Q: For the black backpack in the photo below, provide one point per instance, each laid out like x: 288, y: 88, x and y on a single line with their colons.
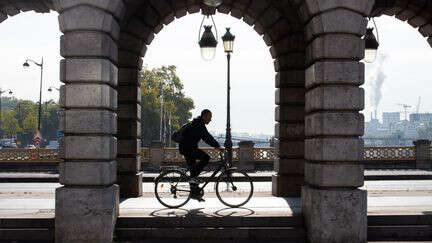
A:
x: 177, y: 136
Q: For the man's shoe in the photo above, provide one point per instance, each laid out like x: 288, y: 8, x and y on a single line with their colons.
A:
x: 198, y: 198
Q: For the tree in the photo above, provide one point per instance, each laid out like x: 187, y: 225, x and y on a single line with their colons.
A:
x: 30, y: 124
x: 20, y: 118
x: 175, y: 102
x: 10, y: 123
x: 50, y: 120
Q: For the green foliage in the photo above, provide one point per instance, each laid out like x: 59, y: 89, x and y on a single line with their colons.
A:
x: 175, y: 102
x: 50, y: 120
x: 30, y: 123
x: 9, y: 123
x: 20, y: 118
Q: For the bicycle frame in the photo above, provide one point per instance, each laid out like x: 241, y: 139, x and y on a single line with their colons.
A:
x: 223, y: 167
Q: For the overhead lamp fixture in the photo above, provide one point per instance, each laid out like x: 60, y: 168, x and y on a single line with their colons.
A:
x: 371, y: 44
x: 207, y: 41
x: 213, y: 3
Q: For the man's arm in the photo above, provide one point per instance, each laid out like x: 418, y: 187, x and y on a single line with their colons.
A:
x: 208, y: 138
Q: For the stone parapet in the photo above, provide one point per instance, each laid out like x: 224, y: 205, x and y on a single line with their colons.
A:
x: 423, y: 154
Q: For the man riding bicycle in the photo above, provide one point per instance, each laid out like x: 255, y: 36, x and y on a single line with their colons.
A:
x: 188, y: 147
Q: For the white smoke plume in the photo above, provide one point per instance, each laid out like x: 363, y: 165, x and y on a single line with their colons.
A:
x: 375, y: 80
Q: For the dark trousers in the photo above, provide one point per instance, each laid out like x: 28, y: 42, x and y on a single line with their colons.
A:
x: 192, y: 156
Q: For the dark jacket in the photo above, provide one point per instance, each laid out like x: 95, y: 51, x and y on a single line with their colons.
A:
x: 193, y: 134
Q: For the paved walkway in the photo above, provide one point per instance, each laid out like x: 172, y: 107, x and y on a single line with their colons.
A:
x: 37, y: 200
x: 258, y: 206
x: 382, y: 174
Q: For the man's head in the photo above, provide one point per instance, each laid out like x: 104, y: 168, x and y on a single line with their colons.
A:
x: 206, y: 115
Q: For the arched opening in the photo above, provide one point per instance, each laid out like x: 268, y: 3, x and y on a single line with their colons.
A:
x: 252, y: 74
x: 394, y: 90
x: 282, y: 31
x: 21, y: 42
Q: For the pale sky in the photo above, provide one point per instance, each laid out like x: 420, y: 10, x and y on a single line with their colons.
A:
x: 31, y: 35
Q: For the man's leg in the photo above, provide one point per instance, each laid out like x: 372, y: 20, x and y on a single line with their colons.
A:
x: 192, y: 167
x: 203, y: 158
x: 191, y: 164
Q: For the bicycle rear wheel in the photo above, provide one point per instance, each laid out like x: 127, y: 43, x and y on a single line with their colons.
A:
x: 234, y: 188
x: 172, y: 188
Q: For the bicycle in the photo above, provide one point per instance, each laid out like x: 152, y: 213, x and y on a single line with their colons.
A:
x: 233, y: 188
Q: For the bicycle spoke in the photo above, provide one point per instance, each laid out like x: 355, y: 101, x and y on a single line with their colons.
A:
x: 234, y: 189
x: 172, y: 189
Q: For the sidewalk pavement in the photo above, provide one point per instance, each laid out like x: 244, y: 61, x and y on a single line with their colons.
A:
x: 387, y: 174
x: 257, y: 207
x: 384, y: 197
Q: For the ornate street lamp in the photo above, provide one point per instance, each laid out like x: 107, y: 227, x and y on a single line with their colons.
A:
x: 27, y: 65
x: 371, y: 44
x: 207, y: 40
x: 228, y: 41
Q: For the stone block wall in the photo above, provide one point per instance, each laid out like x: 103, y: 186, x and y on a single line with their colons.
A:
x: 88, y: 98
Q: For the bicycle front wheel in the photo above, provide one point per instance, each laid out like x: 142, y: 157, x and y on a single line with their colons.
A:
x: 234, y: 188
x: 172, y: 188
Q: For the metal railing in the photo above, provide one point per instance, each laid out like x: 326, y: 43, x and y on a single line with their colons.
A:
x: 29, y: 155
x: 264, y: 154
x: 389, y: 153
x: 173, y: 155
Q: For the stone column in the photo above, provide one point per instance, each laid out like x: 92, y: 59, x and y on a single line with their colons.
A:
x: 423, y: 154
x: 87, y: 203
x: 246, y: 155
x: 129, y: 116
x: 335, y: 210
x: 289, y: 116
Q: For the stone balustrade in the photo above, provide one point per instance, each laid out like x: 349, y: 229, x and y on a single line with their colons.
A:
x: 29, y: 155
x: 245, y: 156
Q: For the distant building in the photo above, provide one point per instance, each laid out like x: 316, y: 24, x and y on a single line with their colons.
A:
x: 390, y: 118
x: 421, y: 117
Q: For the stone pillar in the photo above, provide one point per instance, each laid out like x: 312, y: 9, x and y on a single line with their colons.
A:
x: 156, y: 154
x: 87, y: 204
x: 335, y: 210
x: 246, y: 155
x: 289, y: 116
x: 129, y: 117
x: 423, y: 154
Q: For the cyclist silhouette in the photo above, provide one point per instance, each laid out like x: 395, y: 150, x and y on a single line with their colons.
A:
x: 188, y: 147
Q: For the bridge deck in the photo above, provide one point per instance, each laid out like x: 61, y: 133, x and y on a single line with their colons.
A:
x: 37, y: 200
x: 396, y: 210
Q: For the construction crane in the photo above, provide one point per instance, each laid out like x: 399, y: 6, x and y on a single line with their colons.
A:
x: 405, y: 106
x: 418, y: 105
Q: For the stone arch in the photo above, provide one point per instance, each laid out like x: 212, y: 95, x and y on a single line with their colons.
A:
x: 282, y: 30
x: 418, y: 14
x: 101, y: 54
x: 14, y: 7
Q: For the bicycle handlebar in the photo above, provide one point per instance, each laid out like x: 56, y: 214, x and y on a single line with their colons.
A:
x: 221, y: 154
